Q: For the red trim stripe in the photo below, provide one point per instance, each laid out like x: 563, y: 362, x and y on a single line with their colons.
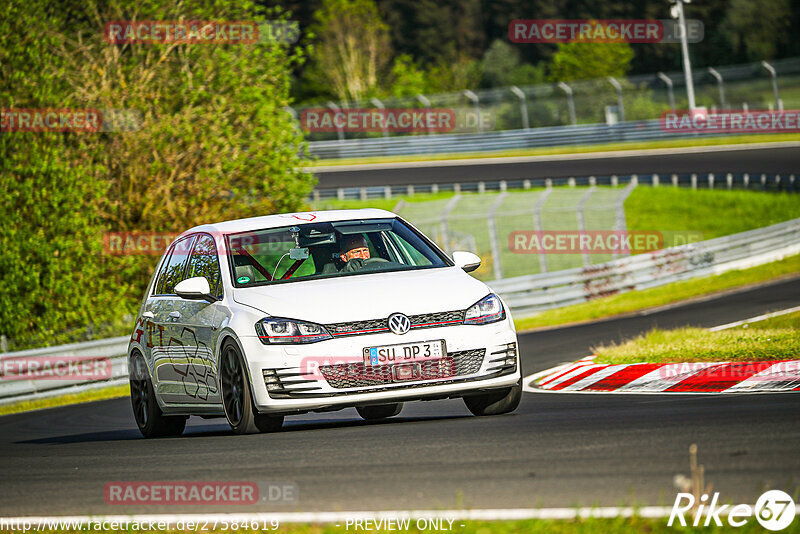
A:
x: 720, y: 377
x: 624, y: 376
x: 561, y: 373
x: 577, y: 377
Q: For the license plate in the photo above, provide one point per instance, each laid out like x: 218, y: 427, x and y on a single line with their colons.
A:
x: 405, y: 353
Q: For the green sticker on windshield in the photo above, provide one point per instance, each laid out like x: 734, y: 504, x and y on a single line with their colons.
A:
x: 243, y: 279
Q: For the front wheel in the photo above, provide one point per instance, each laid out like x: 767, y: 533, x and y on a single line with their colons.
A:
x: 151, y: 421
x: 382, y: 411
x: 495, y: 402
x: 237, y: 399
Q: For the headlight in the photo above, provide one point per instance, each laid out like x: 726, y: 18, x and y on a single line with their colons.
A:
x: 284, y: 331
x: 487, y: 310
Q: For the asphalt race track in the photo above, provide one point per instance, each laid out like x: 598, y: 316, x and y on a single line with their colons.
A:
x: 742, y: 159
x: 555, y: 450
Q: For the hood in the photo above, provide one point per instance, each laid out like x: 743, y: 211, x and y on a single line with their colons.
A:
x: 366, y: 296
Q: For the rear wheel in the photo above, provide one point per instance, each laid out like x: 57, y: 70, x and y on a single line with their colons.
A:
x: 381, y: 411
x: 150, y: 419
x: 495, y: 402
x: 237, y: 399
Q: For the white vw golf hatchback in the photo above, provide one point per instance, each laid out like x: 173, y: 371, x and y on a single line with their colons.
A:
x: 260, y: 318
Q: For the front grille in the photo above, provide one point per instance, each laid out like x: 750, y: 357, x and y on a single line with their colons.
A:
x: 356, y: 375
x: 377, y: 326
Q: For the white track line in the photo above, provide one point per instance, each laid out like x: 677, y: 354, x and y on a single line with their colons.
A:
x: 552, y: 157
x: 754, y: 319
x: 501, y: 514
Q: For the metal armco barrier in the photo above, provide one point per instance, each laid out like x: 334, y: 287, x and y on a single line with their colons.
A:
x: 529, y: 294
x: 501, y: 140
x: 524, y: 294
x: 115, y: 349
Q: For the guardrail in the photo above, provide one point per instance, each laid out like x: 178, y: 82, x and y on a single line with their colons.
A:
x: 534, y: 293
x: 724, y: 180
x: 16, y: 390
x: 524, y: 294
x: 501, y: 140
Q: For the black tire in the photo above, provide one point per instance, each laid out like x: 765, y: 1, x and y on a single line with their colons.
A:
x: 237, y: 399
x: 150, y: 419
x: 381, y: 411
x: 495, y: 402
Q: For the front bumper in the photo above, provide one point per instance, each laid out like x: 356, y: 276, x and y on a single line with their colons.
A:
x: 477, y: 359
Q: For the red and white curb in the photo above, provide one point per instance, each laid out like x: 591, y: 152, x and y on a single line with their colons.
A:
x: 585, y: 376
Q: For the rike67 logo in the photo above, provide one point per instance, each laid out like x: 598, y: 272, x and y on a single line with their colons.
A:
x: 774, y: 510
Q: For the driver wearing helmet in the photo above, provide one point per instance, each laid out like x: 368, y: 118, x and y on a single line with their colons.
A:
x: 354, y: 246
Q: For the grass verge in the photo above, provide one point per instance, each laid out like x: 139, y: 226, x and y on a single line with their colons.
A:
x: 750, y: 343
x: 111, y: 392
x: 550, y: 151
x: 658, y: 296
x: 535, y: 526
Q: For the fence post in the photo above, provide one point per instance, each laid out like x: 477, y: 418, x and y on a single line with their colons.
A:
x: 582, y: 221
x: 476, y: 103
x: 720, y: 86
x: 451, y: 204
x: 339, y: 129
x: 656, y: 180
x: 774, y: 76
x: 694, y: 181
x: 387, y: 192
x: 523, y: 107
x: 674, y: 180
x: 619, y: 223
x: 378, y: 104
x: 570, y: 102
x: 711, y: 180
x: 494, y: 244
x: 537, y: 223
x: 668, y: 81
x: 620, y: 102
x: 427, y: 103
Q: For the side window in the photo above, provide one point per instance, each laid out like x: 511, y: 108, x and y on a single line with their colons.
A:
x: 174, y: 267
x: 157, y: 289
x: 204, y: 262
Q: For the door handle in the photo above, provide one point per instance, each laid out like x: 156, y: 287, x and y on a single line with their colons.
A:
x: 148, y: 315
x: 175, y: 315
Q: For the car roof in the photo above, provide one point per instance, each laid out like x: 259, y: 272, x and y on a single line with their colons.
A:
x: 288, y: 219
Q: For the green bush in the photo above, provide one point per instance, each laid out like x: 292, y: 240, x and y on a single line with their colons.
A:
x: 214, y: 144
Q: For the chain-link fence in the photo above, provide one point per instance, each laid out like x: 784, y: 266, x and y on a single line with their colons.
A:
x: 750, y: 86
x: 483, y: 223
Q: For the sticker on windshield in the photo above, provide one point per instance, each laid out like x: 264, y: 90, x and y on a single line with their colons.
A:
x: 243, y: 279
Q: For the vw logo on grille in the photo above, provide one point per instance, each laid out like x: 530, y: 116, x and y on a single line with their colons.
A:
x: 399, y: 324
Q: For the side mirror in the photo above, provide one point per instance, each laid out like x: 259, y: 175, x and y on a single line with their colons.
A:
x: 196, y: 288
x: 466, y: 260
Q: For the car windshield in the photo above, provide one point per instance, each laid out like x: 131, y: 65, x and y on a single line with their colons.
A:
x: 325, y: 250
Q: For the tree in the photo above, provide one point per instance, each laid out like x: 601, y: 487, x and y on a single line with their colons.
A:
x: 352, y: 47
x: 757, y: 28
x: 213, y: 143
x: 583, y: 61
